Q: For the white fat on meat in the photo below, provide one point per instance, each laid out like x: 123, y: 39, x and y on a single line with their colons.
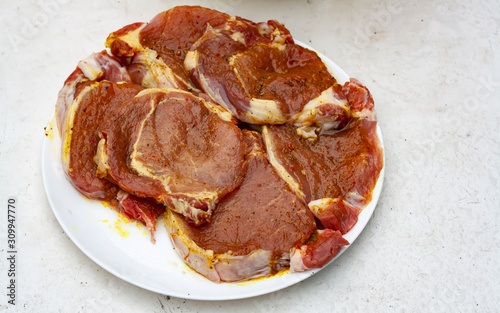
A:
x: 198, y: 216
x: 355, y: 199
x: 352, y: 198
x: 220, y: 267
x: 157, y: 73
x: 96, y: 66
x: 131, y: 38
x: 216, y: 95
x: 238, y: 36
x: 317, y: 205
x: 191, y: 60
x: 312, y: 119
x: 222, y: 112
x: 280, y: 170
x: 307, y: 132
x: 65, y: 99
x: 264, y: 111
x: 68, y: 127
x: 101, y: 159
x: 297, y: 260
x: 100, y: 64
x: 335, y: 213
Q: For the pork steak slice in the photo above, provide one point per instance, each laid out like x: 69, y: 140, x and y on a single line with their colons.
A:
x: 334, y: 174
x: 82, y: 124
x: 83, y: 121
x: 253, y: 229
x: 258, y: 73
x: 169, y: 145
x: 155, y: 51
x: 211, y: 65
x: 145, y: 66
x: 173, y: 32
x: 258, y: 229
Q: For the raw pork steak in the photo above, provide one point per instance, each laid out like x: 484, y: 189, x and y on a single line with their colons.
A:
x: 96, y: 67
x: 255, y: 229
x: 154, y: 52
x: 258, y: 73
x: 172, y: 146
x: 85, y: 116
x: 80, y: 122
x: 334, y: 174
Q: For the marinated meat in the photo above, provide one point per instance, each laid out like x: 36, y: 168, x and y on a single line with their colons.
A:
x: 262, y: 77
x: 334, y: 174
x: 253, y: 229
x: 85, y: 116
x: 360, y: 100
x: 155, y: 51
x: 65, y: 99
x: 333, y: 109
x: 145, y: 66
x: 319, y: 250
x: 102, y: 66
x: 289, y: 75
x: 169, y: 145
x: 96, y: 67
x: 173, y: 32
x: 328, y: 111
x: 236, y: 210
x: 211, y: 66
x: 83, y: 106
x: 145, y: 210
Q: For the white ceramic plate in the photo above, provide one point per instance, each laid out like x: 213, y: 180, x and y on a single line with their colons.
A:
x: 123, y: 248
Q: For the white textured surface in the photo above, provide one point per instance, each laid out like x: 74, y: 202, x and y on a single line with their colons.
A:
x: 433, y: 68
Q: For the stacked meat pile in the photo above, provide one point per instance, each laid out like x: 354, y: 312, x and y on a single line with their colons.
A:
x: 258, y: 158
